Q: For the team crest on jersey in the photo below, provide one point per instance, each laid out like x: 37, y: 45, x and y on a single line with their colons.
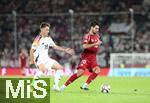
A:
x: 46, y: 46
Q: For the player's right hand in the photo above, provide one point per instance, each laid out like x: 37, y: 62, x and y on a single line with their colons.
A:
x: 70, y: 51
x: 31, y: 64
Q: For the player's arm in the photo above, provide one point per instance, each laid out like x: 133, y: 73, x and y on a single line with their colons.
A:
x: 31, y: 56
x: 67, y: 50
x: 85, y: 46
x: 32, y: 50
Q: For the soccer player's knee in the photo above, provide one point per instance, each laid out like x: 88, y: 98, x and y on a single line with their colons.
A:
x: 57, y: 66
x: 42, y: 69
x: 60, y: 67
x: 97, y: 71
x: 80, y: 73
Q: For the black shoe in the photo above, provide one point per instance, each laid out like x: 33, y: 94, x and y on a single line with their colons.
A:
x: 84, y: 88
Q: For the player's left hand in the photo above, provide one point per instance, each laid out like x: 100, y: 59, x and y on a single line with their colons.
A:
x: 69, y: 51
x: 98, y: 43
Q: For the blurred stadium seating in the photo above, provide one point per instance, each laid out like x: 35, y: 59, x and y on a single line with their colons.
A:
x: 68, y: 30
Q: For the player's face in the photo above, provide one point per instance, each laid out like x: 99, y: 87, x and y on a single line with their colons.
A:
x: 95, y: 29
x: 45, y: 31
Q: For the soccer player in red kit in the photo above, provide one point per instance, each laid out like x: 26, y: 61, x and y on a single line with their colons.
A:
x: 22, y: 59
x: 91, y: 43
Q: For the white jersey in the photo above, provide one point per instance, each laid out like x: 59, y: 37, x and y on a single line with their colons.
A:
x: 41, y: 46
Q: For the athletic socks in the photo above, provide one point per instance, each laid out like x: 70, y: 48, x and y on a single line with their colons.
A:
x: 57, y: 77
x: 91, y: 78
x: 71, y: 79
x: 38, y: 74
x: 74, y: 77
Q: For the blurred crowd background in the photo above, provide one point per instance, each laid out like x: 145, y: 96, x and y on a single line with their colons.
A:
x: 70, y: 19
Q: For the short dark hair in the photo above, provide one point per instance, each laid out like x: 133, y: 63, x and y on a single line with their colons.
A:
x: 94, y: 23
x: 44, y: 24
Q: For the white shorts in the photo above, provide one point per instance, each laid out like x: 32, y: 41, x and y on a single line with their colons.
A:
x: 48, y: 62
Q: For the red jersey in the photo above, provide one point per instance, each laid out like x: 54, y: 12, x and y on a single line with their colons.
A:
x: 23, y: 60
x: 90, y: 39
x: 88, y: 57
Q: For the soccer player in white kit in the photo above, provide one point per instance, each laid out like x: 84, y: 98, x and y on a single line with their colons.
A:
x: 39, y: 54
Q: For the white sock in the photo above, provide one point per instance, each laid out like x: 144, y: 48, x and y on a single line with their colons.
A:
x: 85, y: 85
x: 57, y: 77
x: 38, y: 74
x: 63, y: 86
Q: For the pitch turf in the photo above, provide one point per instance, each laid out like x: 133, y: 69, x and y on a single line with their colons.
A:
x: 123, y: 90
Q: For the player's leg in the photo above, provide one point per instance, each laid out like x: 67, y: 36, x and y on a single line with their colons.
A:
x: 74, y: 77
x: 41, y: 70
x: 95, y: 72
x: 58, y: 74
x: 81, y: 67
x: 79, y: 73
x: 37, y: 75
x: 23, y: 71
x: 40, y: 63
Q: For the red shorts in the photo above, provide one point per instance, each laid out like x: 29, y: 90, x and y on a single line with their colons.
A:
x: 87, y: 63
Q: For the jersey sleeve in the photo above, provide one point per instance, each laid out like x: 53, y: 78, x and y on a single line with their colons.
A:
x: 51, y: 42
x: 86, y: 39
x: 35, y: 42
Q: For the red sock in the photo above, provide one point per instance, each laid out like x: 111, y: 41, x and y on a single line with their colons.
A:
x: 91, y: 77
x: 71, y: 79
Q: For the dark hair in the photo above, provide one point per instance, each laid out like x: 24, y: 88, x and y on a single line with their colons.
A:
x: 93, y: 23
x: 44, y: 24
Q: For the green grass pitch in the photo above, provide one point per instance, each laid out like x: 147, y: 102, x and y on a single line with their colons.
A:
x: 123, y: 90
